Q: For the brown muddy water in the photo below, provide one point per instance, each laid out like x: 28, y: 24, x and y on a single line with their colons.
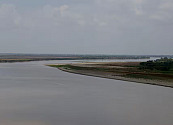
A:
x: 34, y: 94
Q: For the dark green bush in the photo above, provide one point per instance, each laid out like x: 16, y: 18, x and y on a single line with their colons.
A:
x: 163, y: 64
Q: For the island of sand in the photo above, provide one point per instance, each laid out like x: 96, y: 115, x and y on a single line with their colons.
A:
x: 127, y: 71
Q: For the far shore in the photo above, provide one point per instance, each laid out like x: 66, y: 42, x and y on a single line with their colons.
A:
x: 118, y: 71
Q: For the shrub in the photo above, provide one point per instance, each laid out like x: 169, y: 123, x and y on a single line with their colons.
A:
x: 163, y: 64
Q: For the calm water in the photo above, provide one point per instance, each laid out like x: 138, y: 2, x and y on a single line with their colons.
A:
x: 34, y: 94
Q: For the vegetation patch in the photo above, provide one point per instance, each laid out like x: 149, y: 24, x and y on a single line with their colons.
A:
x: 163, y: 64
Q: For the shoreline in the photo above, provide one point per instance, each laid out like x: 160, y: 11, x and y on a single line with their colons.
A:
x: 143, y: 81
x: 98, y: 70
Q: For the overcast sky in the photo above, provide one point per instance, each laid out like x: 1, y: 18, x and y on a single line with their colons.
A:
x: 86, y: 26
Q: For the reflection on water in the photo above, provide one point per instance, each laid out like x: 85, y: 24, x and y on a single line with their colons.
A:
x: 34, y: 94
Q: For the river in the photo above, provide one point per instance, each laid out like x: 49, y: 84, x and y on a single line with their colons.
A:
x: 34, y: 94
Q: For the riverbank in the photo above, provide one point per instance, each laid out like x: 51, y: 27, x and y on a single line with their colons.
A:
x: 126, y: 71
x: 10, y: 58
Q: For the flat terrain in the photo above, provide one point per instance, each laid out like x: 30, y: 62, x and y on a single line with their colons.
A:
x: 41, y: 57
x: 128, y: 71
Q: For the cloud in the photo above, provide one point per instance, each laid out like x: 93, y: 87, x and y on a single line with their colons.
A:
x: 63, y: 8
x: 9, y: 16
x: 138, y: 7
x: 164, y: 11
x: 100, y: 26
x: 167, y: 5
x: 7, y: 10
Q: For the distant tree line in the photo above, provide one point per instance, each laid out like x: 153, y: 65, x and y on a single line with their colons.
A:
x: 163, y: 64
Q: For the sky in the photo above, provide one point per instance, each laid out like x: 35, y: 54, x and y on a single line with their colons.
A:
x: 119, y: 27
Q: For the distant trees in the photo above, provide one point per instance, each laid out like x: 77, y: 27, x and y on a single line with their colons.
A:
x: 163, y: 64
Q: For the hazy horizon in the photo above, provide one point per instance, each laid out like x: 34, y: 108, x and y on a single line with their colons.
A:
x: 87, y: 54
x: 126, y: 27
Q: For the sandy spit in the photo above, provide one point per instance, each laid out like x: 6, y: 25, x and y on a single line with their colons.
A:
x: 116, y: 77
